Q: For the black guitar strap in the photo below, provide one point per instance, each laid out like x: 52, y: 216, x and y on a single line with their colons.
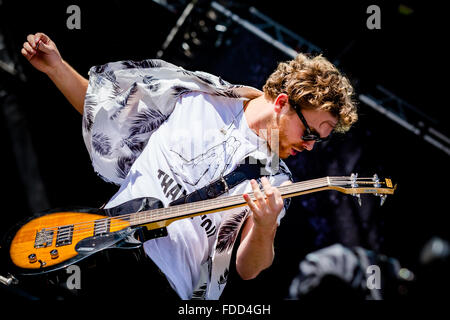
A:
x: 249, y: 169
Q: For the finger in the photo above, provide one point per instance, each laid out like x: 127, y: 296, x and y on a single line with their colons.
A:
x: 257, y: 192
x: 265, y: 182
x: 29, y: 49
x: 31, y: 40
x: 268, y: 189
x: 42, y: 42
x: 270, y: 192
x: 253, y: 207
x: 43, y: 37
x: 44, y: 47
x: 26, y: 54
x: 274, y: 199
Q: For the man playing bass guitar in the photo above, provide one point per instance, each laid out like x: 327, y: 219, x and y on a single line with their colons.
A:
x: 160, y: 131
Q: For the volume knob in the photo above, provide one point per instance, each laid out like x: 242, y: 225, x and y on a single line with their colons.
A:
x: 54, y: 254
x: 32, y: 258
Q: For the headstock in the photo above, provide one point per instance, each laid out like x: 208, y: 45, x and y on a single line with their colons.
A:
x: 356, y: 186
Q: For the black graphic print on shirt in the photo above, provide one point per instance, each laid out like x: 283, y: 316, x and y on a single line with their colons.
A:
x: 170, y: 188
x: 173, y: 191
x: 207, y: 165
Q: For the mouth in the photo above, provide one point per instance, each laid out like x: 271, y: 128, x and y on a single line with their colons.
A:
x: 294, y: 151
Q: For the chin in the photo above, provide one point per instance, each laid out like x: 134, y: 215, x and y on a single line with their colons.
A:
x: 284, y: 155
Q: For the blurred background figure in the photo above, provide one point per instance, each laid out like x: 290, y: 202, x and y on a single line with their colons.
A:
x: 341, y: 273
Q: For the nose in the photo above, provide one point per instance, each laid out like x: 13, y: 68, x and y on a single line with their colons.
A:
x: 308, y: 145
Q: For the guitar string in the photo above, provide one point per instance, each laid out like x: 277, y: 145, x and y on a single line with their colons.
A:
x: 122, y: 224
x: 121, y: 221
x: 184, y: 207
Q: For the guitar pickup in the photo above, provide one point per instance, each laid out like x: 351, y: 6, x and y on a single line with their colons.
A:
x: 64, y: 236
x: 101, y: 226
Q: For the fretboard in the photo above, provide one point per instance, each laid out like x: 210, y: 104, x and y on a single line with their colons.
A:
x: 222, y: 203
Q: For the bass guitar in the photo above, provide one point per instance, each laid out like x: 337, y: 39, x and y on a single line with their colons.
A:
x: 56, y: 240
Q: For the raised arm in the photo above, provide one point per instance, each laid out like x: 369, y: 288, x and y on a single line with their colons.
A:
x: 42, y: 53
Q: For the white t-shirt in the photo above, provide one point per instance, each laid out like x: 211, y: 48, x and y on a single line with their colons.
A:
x: 205, y: 137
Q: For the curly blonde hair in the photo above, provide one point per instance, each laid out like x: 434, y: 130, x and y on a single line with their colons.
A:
x: 315, y: 83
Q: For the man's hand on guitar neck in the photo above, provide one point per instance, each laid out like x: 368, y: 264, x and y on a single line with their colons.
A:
x: 265, y: 210
x: 256, y: 252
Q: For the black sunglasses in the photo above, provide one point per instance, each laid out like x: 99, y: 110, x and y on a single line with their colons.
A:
x: 309, y: 134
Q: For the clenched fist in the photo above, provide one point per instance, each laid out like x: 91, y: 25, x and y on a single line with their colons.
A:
x: 41, y: 52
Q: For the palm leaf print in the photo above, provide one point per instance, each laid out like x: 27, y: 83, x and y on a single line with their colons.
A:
x: 229, y: 231
x: 129, y: 64
x: 152, y: 83
x: 150, y: 63
x: 200, y: 293
x: 101, y: 143
x: 124, y: 165
x: 122, y: 99
x: 204, y: 78
x: 146, y: 121
x: 185, y: 72
x: 88, y: 113
x: 180, y: 90
x: 223, y: 277
x: 135, y: 144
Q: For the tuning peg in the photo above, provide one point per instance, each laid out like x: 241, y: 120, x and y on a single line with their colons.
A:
x: 376, y: 182
x: 357, y: 195
x: 353, y: 178
x: 383, y: 199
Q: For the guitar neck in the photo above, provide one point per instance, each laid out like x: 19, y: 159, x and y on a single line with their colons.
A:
x: 222, y: 203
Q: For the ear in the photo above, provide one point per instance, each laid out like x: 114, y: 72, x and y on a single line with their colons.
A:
x: 281, y: 103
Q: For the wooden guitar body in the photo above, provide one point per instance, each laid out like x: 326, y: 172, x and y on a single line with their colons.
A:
x: 55, y: 239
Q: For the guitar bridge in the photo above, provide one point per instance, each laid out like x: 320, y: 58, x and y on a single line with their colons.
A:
x: 44, y: 238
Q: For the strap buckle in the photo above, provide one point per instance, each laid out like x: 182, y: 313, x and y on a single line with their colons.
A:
x: 224, y: 183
